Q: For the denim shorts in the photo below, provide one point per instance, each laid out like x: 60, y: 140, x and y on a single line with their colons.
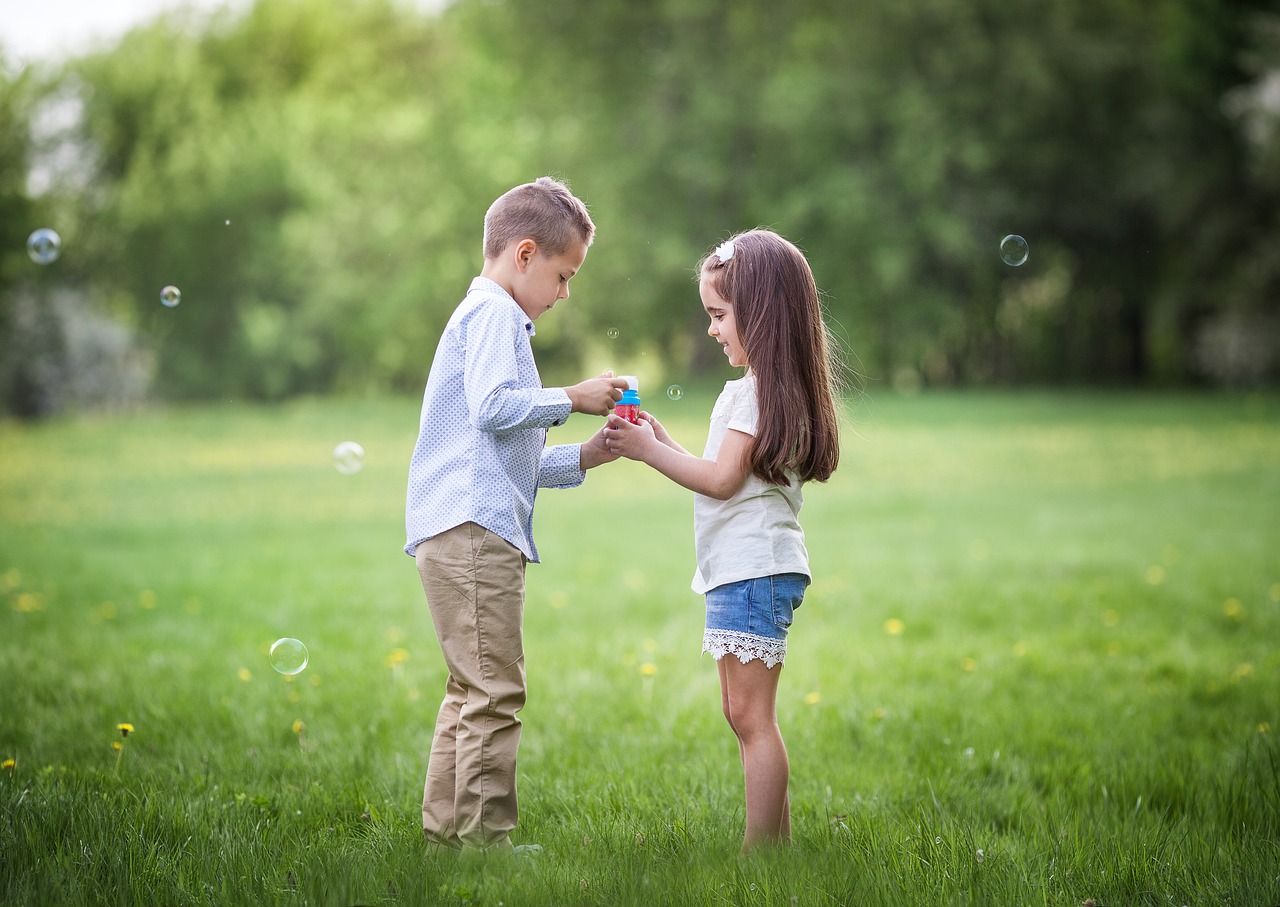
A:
x: 750, y: 619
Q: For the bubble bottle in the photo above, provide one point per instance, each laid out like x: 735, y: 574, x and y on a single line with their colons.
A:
x: 629, y: 406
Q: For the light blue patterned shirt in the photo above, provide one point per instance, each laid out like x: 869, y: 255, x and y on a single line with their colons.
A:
x: 481, y: 453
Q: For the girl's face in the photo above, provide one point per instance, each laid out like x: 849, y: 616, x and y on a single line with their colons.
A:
x: 724, y: 327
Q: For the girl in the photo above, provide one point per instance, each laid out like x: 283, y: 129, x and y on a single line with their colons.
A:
x: 771, y: 431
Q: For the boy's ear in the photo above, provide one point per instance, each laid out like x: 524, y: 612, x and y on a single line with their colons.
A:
x: 524, y: 252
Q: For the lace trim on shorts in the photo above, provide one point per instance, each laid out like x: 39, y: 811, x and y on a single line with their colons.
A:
x: 745, y: 646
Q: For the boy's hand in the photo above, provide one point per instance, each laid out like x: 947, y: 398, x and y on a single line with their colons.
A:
x: 594, y: 452
x: 622, y: 438
x: 596, y: 396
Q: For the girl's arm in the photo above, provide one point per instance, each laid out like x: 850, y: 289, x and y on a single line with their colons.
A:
x: 719, y: 478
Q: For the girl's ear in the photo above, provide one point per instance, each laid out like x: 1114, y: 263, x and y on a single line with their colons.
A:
x: 524, y: 252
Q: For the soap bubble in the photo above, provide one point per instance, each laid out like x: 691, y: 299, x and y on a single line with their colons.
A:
x: 288, y: 655
x: 675, y: 392
x: 348, y: 458
x: 170, y: 296
x: 44, y: 245
x: 613, y: 333
x: 980, y: 856
x: 1014, y: 250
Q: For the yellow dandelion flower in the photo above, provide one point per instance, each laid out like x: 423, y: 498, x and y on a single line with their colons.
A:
x: 245, y: 674
x: 970, y: 665
x: 894, y: 627
x: 396, y: 657
x: 9, y: 764
x: 28, y: 602
x: 1020, y: 649
x: 1263, y: 728
x: 1155, y: 575
x: 812, y: 698
x: 117, y: 745
x: 648, y: 669
x: 125, y: 728
x: 298, y: 726
x: 1233, y: 609
x: 1243, y: 671
x: 147, y: 599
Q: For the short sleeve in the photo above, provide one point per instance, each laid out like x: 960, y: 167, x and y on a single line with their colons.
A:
x: 745, y: 413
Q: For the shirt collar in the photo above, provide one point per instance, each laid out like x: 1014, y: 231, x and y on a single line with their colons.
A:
x: 493, y: 288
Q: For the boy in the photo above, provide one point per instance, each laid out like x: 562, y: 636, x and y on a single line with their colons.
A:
x: 476, y: 468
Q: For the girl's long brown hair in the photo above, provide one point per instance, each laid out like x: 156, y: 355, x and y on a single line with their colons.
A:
x: 779, y: 318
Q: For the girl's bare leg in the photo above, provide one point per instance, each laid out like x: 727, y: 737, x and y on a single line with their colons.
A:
x: 749, y: 694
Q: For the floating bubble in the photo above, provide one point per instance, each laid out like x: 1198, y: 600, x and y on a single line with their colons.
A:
x: 44, y: 246
x: 980, y: 856
x: 1014, y: 250
x: 675, y: 392
x: 938, y: 840
x: 288, y: 655
x: 613, y: 333
x: 348, y: 458
x: 170, y: 296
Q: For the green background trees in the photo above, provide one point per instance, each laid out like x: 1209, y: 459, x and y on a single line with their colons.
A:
x: 312, y: 177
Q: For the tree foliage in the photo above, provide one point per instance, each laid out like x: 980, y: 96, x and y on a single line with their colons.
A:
x: 312, y: 176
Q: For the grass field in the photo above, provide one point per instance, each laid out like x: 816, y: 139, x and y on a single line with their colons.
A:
x: 1038, y: 665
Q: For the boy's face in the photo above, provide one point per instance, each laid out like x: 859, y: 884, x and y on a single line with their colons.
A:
x: 542, y: 280
x: 724, y: 325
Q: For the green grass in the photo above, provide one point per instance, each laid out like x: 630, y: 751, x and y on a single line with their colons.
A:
x: 1044, y: 628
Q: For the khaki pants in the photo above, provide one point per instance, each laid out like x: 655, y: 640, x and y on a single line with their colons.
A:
x: 474, y: 582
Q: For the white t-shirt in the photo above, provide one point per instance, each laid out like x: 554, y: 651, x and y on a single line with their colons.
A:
x: 757, y: 531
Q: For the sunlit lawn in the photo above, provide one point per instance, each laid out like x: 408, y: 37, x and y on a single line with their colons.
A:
x: 1038, y: 665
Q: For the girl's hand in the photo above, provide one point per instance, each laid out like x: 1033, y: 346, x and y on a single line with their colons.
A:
x: 658, y: 431
x: 622, y: 438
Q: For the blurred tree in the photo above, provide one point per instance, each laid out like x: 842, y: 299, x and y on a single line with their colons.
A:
x: 313, y: 176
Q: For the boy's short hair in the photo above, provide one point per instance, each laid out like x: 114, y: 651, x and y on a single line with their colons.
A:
x: 544, y: 211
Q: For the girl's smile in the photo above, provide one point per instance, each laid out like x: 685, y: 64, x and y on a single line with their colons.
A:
x: 724, y: 326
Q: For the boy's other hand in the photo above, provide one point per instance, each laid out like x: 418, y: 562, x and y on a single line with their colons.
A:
x: 596, y: 396
x: 594, y: 452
